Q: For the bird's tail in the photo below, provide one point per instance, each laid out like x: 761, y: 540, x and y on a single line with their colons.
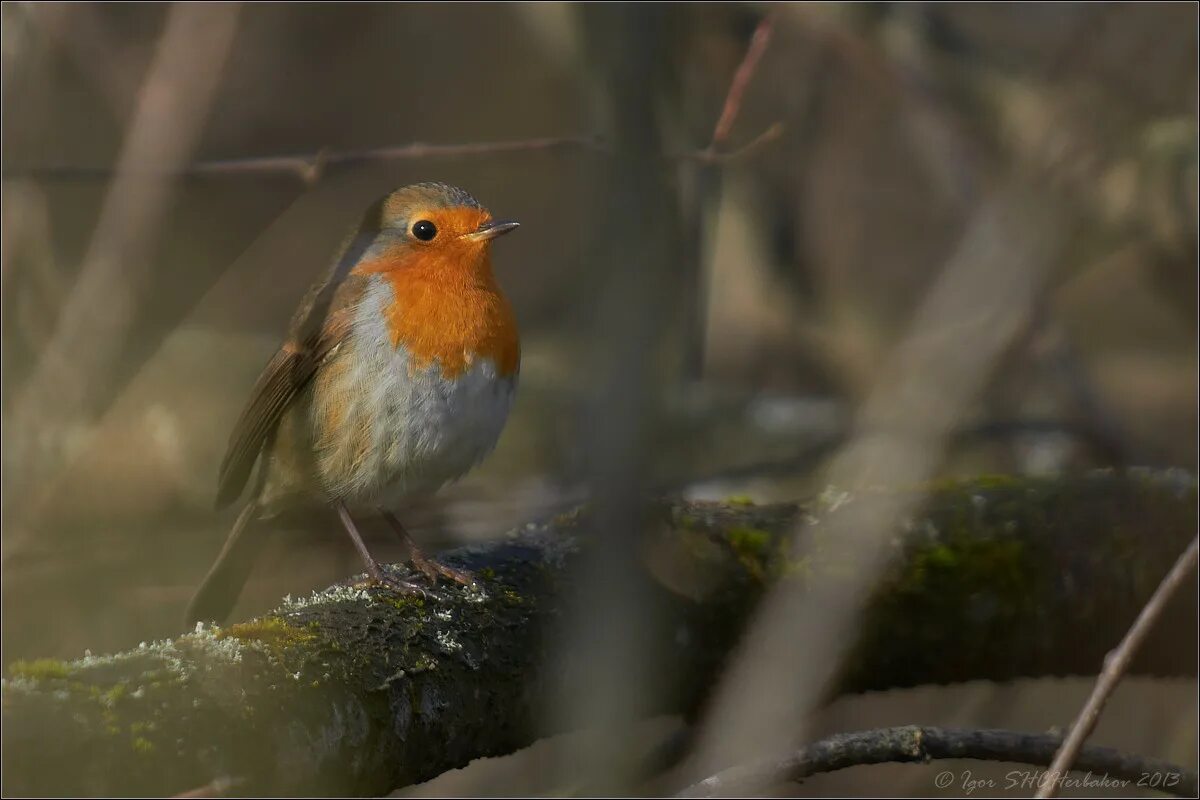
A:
x: 221, y: 587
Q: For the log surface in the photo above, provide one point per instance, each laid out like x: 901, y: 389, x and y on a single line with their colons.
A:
x: 354, y: 691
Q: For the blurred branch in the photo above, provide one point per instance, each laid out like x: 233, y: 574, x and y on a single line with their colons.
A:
x: 1116, y: 664
x: 812, y: 448
x: 356, y: 692
x: 96, y: 317
x: 606, y: 638
x: 97, y: 52
x: 35, y: 292
x: 310, y: 169
x: 913, y: 744
x: 705, y: 195
x: 709, y: 155
x: 898, y: 68
x: 1040, y: 123
x: 925, y: 388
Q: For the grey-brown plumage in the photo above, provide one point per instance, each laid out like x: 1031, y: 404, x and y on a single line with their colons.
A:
x: 343, y: 411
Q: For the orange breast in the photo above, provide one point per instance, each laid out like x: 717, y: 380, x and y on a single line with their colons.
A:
x: 449, y: 311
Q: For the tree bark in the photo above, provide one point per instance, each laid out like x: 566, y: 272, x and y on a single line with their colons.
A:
x: 355, y: 691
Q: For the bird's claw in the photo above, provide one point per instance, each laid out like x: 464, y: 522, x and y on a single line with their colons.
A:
x: 432, y: 569
x: 398, y: 585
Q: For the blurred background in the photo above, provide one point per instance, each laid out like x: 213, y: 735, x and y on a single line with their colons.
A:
x: 874, y: 147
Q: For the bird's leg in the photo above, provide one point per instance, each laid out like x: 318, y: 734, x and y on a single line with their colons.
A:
x: 375, y: 574
x: 428, y: 566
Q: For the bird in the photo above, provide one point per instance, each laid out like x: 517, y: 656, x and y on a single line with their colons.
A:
x: 396, y: 377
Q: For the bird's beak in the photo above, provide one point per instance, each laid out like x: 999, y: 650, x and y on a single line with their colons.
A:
x: 490, y: 230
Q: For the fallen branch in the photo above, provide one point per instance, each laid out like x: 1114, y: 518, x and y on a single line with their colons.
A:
x: 356, y: 692
x: 915, y: 744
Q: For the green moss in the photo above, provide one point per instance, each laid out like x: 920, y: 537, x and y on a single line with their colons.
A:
x: 424, y: 663
x: 567, y: 519
x: 941, y: 557
x: 487, y: 574
x: 739, y: 500
x: 510, y: 597
x: 785, y: 565
x: 142, y: 745
x: 749, y: 541
x: 978, y: 483
x: 977, y: 584
x: 273, y: 632
x: 752, y: 546
x: 40, y: 669
x: 109, y: 697
x: 403, y: 602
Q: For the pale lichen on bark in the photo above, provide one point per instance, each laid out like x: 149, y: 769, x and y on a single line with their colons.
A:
x: 357, y: 691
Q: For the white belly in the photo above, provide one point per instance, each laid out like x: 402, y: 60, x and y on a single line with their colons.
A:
x: 410, y: 430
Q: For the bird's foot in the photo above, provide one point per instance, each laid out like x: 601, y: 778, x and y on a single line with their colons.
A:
x: 431, y: 569
x: 397, y: 585
x: 426, y: 566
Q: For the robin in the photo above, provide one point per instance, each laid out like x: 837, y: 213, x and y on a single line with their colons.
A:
x: 396, y: 378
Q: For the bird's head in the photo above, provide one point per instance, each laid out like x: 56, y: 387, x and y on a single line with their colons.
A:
x: 430, y: 243
x: 433, y: 229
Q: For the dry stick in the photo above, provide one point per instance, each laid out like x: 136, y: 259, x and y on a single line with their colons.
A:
x: 709, y: 156
x: 1115, y: 665
x: 918, y: 744
x: 708, y: 187
x: 741, y: 80
x: 311, y: 168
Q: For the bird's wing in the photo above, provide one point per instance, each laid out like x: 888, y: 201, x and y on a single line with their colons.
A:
x: 281, y: 381
x: 320, y: 324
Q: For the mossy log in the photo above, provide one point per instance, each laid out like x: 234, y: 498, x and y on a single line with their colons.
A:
x: 354, y: 691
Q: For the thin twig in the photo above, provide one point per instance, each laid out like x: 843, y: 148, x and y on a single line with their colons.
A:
x: 707, y: 192
x: 1115, y: 665
x: 711, y: 156
x: 310, y: 167
x: 741, y: 80
x: 918, y: 744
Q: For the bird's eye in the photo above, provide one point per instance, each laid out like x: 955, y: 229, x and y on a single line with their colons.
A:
x: 424, y: 230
